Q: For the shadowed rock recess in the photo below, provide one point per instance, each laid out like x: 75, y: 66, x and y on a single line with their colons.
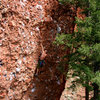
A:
x: 24, y: 24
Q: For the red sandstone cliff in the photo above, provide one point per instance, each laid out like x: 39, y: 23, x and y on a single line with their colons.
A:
x: 24, y: 24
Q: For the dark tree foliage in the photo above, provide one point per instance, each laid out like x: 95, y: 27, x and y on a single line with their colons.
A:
x: 84, y: 44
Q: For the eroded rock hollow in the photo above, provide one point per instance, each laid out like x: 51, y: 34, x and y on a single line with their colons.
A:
x: 24, y: 24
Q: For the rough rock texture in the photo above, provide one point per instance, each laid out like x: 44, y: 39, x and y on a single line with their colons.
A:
x: 79, y: 92
x: 24, y: 24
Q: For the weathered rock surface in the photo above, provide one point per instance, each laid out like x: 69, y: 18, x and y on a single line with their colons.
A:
x: 24, y: 24
x: 77, y: 93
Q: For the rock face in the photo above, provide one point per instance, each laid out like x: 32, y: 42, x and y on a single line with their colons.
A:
x: 77, y: 93
x: 24, y: 24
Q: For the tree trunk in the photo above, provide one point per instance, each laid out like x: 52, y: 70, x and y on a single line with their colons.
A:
x: 87, y: 91
x: 96, y: 87
x: 96, y: 91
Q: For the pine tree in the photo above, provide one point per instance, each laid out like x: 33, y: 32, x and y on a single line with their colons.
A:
x: 84, y: 57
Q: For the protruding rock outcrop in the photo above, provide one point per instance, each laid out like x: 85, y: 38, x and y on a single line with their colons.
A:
x: 24, y: 24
